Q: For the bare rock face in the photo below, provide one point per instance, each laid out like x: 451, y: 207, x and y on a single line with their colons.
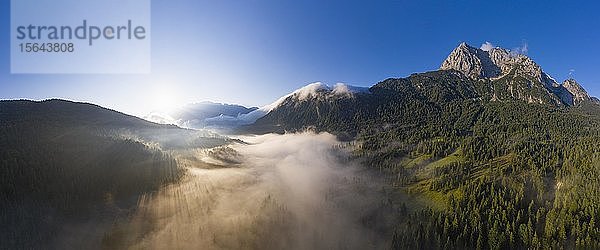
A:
x: 496, y: 62
x: 473, y: 62
x: 522, y: 78
x: 578, y: 93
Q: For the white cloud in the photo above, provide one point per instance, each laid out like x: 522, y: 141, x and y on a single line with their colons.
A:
x: 345, y: 89
x: 487, y: 46
x: 521, y: 50
x: 310, y: 90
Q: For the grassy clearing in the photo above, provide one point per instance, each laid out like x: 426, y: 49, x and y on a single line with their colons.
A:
x: 426, y: 172
x: 410, y: 163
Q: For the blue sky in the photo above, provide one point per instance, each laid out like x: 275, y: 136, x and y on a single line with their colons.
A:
x: 252, y: 52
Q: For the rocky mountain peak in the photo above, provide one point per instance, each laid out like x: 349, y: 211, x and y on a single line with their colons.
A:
x: 473, y: 62
x: 478, y: 63
x: 518, y: 73
x: 579, y: 94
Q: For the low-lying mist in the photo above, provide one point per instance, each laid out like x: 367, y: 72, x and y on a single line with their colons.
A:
x: 293, y: 191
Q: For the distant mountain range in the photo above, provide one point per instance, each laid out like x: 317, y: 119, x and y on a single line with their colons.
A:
x: 495, y: 74
x: 227, y: 117
x: 202, y: 115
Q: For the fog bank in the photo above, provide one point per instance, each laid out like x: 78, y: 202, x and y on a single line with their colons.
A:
x: 293, y: 191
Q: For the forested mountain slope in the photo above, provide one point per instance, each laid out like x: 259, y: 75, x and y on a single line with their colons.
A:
x: 510, y: 158
x: 63, y: 164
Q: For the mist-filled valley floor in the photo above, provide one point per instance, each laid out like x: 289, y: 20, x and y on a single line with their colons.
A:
x: 293, y: 191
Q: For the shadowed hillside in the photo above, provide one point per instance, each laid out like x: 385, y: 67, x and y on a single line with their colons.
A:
x: 66, y: 165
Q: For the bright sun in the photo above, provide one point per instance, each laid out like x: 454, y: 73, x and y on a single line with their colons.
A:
x: 163, y: 100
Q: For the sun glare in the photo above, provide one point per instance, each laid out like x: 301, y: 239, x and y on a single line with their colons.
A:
x: 163, y: 100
